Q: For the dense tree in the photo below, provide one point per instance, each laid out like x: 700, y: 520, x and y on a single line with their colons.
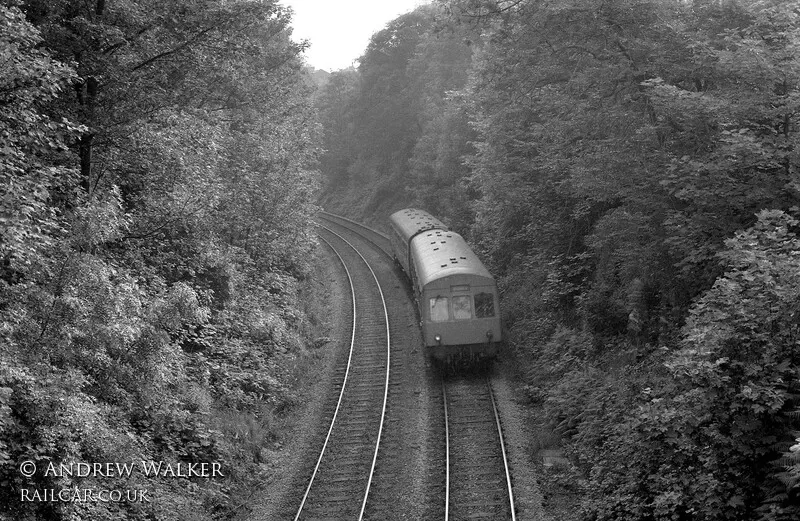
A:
x: 628, y: 170
x: 32, y: 141
x: 621, y: 143
x: 389, y: 129
x: 335, y: 102
x: 158, y: 178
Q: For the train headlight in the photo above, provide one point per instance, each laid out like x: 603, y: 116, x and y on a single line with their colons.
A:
x: 438, y: 339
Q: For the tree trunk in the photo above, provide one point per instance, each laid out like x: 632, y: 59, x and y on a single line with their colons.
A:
x: 88, y: 102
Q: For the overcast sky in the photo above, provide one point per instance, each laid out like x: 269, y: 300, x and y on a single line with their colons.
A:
x: 339, y: 30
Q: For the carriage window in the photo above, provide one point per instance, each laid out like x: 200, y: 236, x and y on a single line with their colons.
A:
x: 462, y: 307
x: 439, y: 309
x: 484, y: 305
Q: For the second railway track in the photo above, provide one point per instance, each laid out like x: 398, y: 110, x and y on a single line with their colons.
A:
x: 408, y: 481
x: 378, y: 239
x: 340, y: 483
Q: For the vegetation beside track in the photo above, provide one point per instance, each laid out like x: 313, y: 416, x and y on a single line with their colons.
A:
x: 628, y: 170
x: 156, y: 192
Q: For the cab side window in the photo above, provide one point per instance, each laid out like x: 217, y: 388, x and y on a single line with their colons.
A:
x: 484, y: 305
x: 439, y: 309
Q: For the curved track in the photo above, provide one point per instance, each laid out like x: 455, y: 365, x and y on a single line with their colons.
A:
x: 475, y: 471
x: 377, y: 238
x: 408, y: 480
x: 340, y: 482
x: 478, y: 482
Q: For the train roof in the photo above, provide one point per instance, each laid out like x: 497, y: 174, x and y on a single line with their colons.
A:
x: 440, y: 253
x: 411, y: 221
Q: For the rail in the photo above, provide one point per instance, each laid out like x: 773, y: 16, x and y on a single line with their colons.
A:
x: 347, y: 384
x: 479, y: 476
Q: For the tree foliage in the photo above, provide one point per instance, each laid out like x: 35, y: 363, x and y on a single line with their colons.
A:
x: 158, y: 176
x: 620, y: 145
x: 390, y: 128
x: 628, y: 170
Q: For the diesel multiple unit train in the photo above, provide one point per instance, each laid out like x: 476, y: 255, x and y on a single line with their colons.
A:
x: 456, y: 294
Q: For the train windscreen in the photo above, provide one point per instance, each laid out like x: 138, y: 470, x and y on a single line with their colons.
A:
x: 484, y: 305
x: 439, y: 309
x: 462, y: 307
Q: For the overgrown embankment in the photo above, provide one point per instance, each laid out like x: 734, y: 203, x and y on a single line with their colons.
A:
x: 157, y: 191
x: 628, y: 171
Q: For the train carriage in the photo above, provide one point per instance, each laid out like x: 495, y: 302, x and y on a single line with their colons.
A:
x: 407, y: 224
x: 456, y: 294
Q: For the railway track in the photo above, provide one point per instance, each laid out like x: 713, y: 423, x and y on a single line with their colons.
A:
x: 468, y: 475
x: 371, y: 235
x: 340, y: 482
x: 408, y: 481
x: 478, y: 482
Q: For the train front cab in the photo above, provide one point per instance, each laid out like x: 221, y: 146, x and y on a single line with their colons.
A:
x: 461, y: 319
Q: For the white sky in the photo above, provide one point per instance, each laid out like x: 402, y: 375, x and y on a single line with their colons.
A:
x: 339, y: 30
